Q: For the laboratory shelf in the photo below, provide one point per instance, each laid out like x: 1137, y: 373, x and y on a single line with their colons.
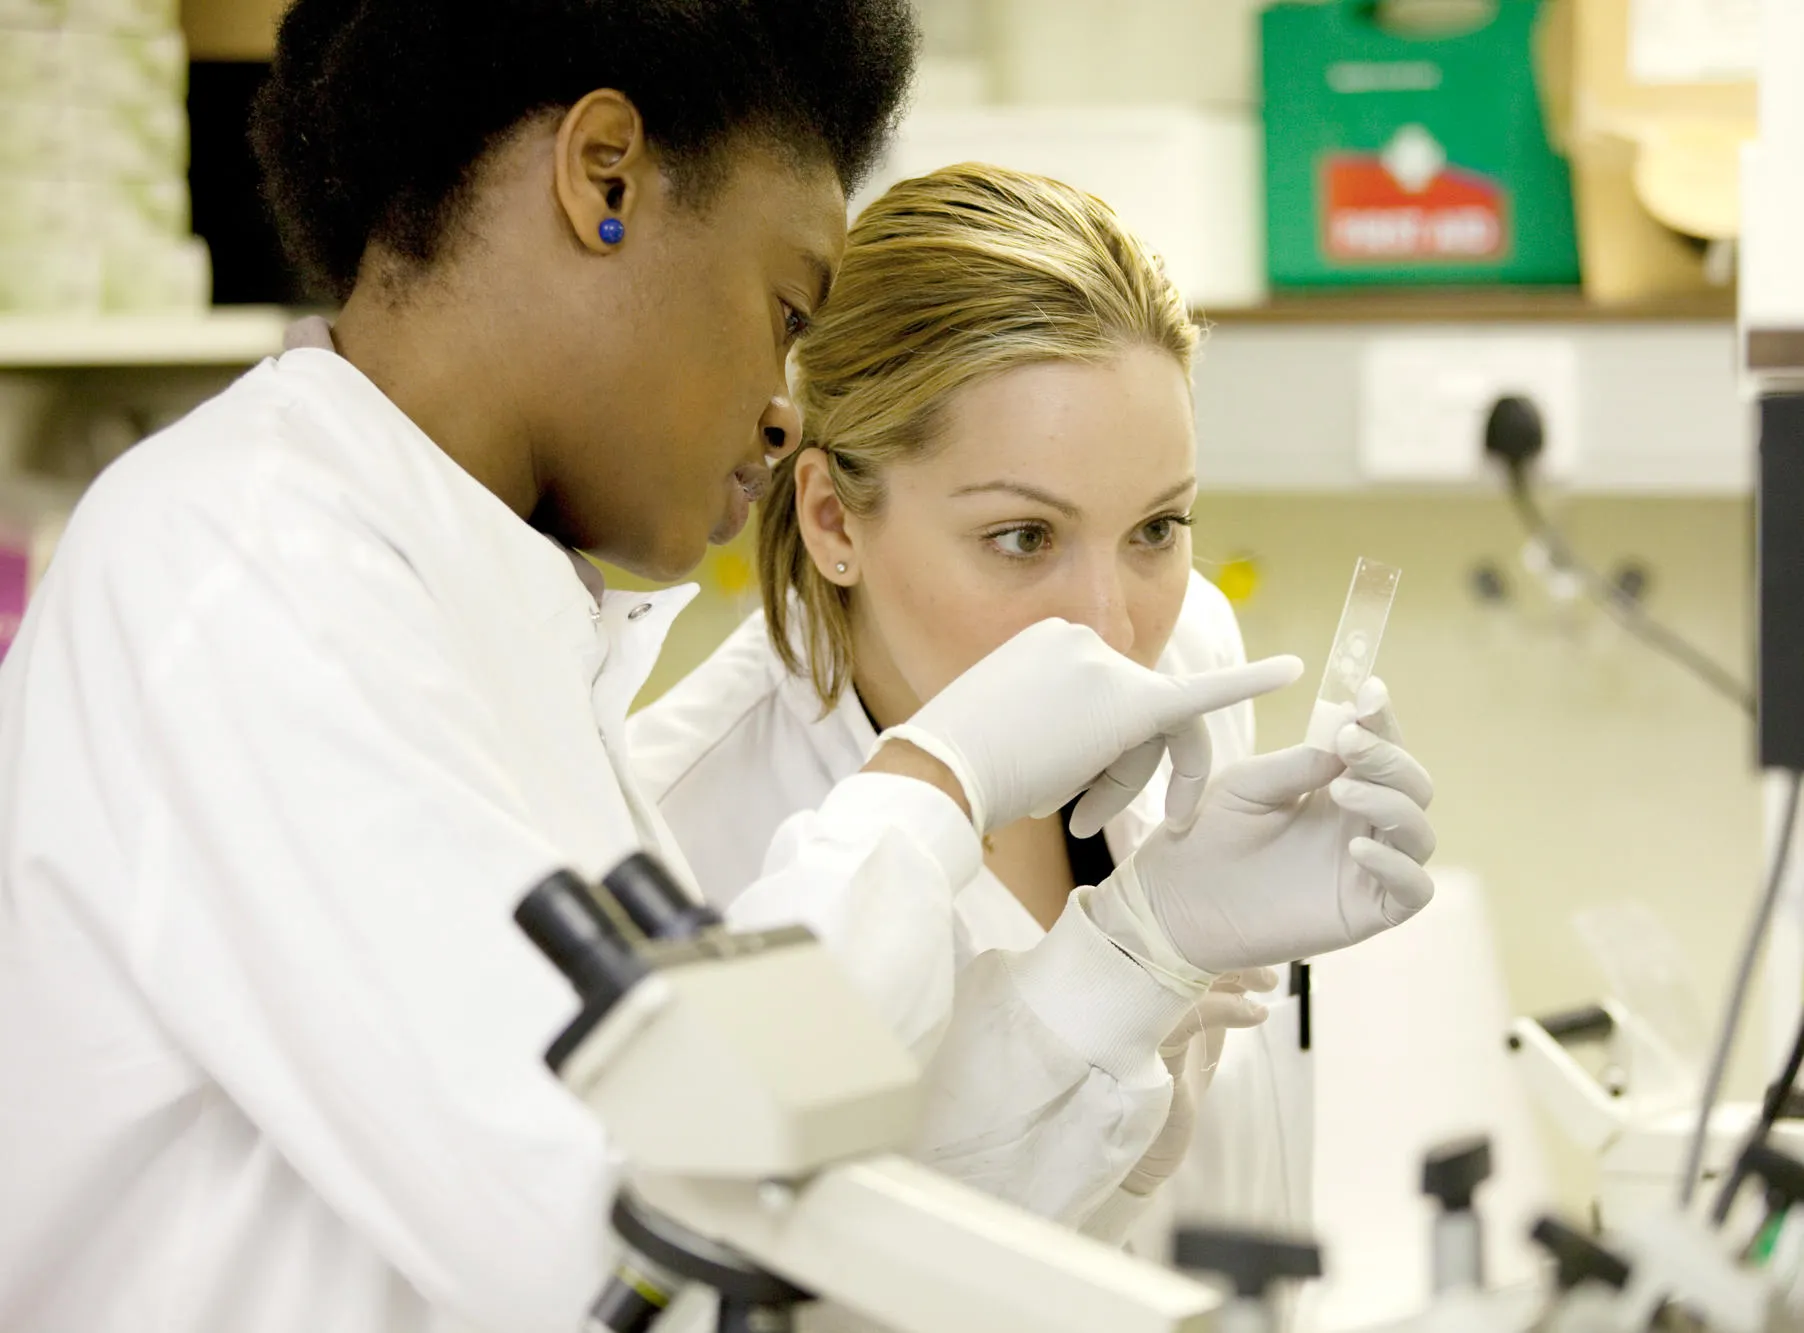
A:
x: 1474, y: 305
x: 236, y: 336
x: 1282, y: 392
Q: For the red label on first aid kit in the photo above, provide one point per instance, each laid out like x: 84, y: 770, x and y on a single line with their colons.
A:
x: 1369, y: 214
x: 15, y: 582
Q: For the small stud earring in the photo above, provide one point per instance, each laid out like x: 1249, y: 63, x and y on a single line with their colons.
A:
x: 840, y: 568
x: 612, y: 231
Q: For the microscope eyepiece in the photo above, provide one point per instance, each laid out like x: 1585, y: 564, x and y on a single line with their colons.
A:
x: 570, y: 928
x: 655, y: 902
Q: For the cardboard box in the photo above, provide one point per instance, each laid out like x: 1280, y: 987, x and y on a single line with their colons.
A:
x: 232, y: 29
x: 1655, y: 161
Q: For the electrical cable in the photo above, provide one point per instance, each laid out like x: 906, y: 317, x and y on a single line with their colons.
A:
x: 1738, y: 996
x: 1770, y: 1109
x: 1514, y: 435
x: 1626, y: 610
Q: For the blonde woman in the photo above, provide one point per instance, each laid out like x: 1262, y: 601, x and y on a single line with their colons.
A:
x: 998, y: 430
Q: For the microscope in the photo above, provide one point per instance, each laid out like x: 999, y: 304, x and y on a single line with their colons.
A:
x: 760, y: 1104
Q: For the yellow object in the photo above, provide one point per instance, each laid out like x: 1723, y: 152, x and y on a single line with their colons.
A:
x: 649, y: 1292
x: 1689, y: 177
x: 733, y: 573
x: 1238, y: 579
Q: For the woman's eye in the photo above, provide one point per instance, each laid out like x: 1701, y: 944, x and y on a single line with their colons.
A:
x: 1021, y: 542
x: 795, y: 323
x: 1162, y: 532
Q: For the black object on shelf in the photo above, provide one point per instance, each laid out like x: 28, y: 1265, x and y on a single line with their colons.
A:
x: 229, y: 213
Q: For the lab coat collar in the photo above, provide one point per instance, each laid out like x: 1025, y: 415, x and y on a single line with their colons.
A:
x: 632, y: 627
x: 395, y: 455
x: 618, y: 634
x: 844, y: 736
x: 423, y: 491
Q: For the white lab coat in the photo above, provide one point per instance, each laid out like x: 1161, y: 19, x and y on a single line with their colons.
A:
x: 298, y: 714
x: 739, y: 747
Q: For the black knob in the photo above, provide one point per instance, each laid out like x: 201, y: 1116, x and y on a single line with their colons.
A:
x: 1513, y: 432
x: 1782, y: 1174
x: 1577, y: 1257
x: 1453, y: 1172
x: 655, y: 902
x: 1251, y: 1260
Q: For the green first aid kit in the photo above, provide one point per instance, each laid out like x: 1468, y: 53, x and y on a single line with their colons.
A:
x: 1399, y: 159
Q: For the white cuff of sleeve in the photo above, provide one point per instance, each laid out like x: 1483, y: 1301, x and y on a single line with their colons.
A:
x: 1101, y: 1003
x: 1112, y: 1222
x: 870, y: 803
x: 928, y: 743
x: 1121, y: 911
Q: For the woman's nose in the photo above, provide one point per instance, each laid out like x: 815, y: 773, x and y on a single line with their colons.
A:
x: 1105, y: 610
x: 781, y: 426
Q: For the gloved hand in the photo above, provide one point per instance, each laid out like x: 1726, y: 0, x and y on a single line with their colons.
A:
x: 1226, y: 1005
x: 1291, y: 854
x: 1056, y: 711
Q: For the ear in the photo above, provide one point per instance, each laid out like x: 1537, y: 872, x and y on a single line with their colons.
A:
x: 604, y: 167
x: 822, y: 520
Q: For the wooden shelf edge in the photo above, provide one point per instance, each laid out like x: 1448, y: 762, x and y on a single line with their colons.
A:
x: 227, y: 336
x: 1473, y: 305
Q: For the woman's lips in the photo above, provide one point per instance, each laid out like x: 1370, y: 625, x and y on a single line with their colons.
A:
x: 754, y: 480
x: 749, y: 484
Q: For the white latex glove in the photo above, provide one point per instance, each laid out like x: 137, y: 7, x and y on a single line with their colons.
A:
x: 1226, y: 1005
x: 1055, y: 711
x: 1291, y: 854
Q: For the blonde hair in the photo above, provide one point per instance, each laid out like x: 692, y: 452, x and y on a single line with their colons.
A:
x: 948, y: 279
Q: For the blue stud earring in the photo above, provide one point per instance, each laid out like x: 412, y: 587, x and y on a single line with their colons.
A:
x: 613, y: 231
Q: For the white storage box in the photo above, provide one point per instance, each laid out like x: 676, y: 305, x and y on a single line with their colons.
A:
x: 124, y: 15
x: 157, y: 275
x: 35, y: 206
x: 30, y: 13
x: 52, y: 276
x: 53, y: 138
x: 1188, y: 182
x: 1126, y: 52
x: 93, y: 68
x: 128, y: 69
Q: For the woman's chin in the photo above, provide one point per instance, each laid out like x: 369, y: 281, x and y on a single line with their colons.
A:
x: 737, y: 513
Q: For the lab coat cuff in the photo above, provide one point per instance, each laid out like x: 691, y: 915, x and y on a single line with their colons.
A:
x: 929, y: 744
x: 1091, y: 993
x: 1112, y: 1222
x: 880, y: 801
x: 1120, y: 909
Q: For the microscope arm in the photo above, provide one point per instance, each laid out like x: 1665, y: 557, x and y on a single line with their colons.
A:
x: 898, y: 1243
